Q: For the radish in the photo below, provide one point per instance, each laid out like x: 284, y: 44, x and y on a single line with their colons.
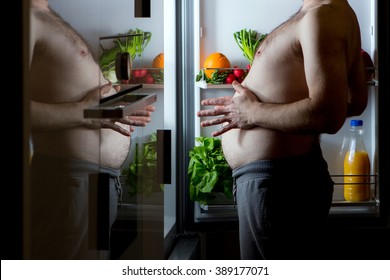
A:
x: 238, y: 73
x: 139, y: 73
x: 230, y: 78
x: 148, y: 79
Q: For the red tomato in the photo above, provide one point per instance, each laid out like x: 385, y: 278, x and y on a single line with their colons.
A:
x: 148, y: 79
x: 230, y: 78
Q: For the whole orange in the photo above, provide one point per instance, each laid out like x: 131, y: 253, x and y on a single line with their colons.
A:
x: 215, y: 60
x: 158, y: 61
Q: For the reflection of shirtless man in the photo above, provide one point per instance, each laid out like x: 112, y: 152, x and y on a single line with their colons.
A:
x: 307, y: 77
x: 65, y: 79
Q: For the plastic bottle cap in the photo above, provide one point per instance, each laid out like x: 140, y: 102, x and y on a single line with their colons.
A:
x: 356, y: 122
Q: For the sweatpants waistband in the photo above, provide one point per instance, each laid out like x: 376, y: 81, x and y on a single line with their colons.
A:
x: 312, y: 160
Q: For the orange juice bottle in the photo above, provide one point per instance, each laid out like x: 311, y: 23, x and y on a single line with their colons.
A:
x: 356, y: 166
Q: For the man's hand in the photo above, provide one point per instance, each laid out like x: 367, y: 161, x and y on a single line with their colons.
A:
x: 235, y: 111
x: 139, y: 118
x: 125, y: 125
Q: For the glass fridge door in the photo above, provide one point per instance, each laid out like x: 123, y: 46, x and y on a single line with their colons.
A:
x: 140, y: 44
x: 129, y: 193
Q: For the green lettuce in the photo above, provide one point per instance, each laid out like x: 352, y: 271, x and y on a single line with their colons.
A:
x: 208, y: 171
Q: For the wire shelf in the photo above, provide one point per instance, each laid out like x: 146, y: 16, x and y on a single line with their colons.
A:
x: 338, y: 199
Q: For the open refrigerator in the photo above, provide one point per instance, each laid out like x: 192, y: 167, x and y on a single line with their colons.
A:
x: 214, y: 33
x: 213, y: 26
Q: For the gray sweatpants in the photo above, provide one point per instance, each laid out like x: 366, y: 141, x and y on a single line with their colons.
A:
x: 283, y: 205
x: 60, y: 204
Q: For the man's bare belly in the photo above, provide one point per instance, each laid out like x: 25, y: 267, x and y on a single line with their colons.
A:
x: 241, y: 147
x: 104, y: 147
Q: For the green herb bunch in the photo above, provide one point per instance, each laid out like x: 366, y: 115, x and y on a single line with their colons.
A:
x: 208, y: 171
x: 248, y: 41
x: 217, y: 77
x: 134, y: 45
x: 158, y: 76
x: 141, y: 174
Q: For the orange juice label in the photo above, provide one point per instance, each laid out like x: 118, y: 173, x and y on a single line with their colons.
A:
x: 356, y: 186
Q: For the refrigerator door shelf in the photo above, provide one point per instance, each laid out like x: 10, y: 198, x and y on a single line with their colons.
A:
x: 338, y: 193
x: 215, y: 212
x: 225, y: 209
x: 121, y: 104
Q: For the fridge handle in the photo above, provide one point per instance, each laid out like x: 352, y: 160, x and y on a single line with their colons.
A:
x: 99, y: 215
x: 164, y: 158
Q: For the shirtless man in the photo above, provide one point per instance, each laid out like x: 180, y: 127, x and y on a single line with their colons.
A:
x: 306, y: 78
x: 64, y: 80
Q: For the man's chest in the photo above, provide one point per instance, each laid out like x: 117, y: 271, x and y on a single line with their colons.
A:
x: 283, y: 41
x: 58, y: 37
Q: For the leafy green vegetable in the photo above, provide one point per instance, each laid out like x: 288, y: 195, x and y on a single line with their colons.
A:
x: 248, y: 41
x: 134, y: 45
x: 208, y: 171
x: 107, y: 63
x: 141, y: 174
x: 217, y: 77
x: 158, y: 76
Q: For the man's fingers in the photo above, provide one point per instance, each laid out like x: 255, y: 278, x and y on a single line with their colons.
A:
x: 214, y: 121
x: 225, y: 100
x: 150, y: 108
x: 217, y: 111
x: 135, y: 121
x: 146, y: 112
x: 117, y: 88
x: 222, y: 130
x: 237, y: 87
x: 141, y: 113
x: 104, y: 89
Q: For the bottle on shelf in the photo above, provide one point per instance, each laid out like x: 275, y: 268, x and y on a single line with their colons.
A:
x: 339, y: 168
x: 356, y: 166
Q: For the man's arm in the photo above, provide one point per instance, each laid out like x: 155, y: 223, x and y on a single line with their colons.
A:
x: 358, y: 89
x: 49, y: 117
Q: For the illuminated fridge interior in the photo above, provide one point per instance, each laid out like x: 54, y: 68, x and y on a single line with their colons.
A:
x: 213, y: 32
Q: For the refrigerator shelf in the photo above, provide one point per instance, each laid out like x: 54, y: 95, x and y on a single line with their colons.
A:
x: 338, y: 193
x: 122, y: 104
x: 228, y: 212
x: 342, y: 203
x: 217, y: 208
x: 225, y: 209
x: 202, y: 84
x: 145, y: 86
